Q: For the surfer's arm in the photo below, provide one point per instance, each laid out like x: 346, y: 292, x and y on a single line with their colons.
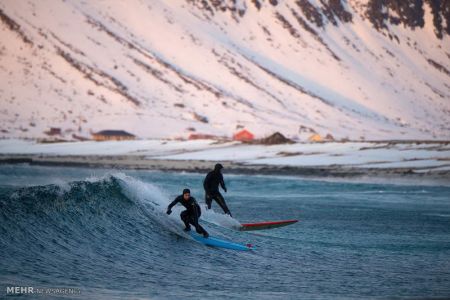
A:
x: 172, y: 204
x: 222, y: 183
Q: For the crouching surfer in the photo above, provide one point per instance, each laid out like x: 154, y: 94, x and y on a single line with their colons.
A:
x: 191, y: 214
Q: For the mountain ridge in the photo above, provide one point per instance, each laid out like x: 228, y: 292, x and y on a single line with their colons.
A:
x: 165, y: 70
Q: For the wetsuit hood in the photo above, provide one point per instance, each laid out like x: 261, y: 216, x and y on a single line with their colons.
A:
x: 218, y: 167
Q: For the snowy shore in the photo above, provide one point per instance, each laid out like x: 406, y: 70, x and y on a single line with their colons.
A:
x: 429, y: 160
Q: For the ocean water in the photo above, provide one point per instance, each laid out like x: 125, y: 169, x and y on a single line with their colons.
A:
x: 105, y: 233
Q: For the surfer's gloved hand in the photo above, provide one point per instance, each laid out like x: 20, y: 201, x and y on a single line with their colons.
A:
x: 168, y: 211
x: 225, y: 189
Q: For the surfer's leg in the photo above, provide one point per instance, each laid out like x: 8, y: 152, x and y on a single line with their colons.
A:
x: 208, y: 200
x: 219, y: 199
x: 185, y: 217
x: 198, y: 227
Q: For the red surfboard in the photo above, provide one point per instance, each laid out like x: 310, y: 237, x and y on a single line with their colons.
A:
x: 266, y: 225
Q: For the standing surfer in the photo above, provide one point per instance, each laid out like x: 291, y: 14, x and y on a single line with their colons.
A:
x: 191, y: 214
x: 211, y: 186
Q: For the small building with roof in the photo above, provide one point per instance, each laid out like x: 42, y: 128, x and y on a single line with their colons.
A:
x: 202, y: 136
x: 113, y: 135
x: 315, y: 138
x: 243, y: 136
x: 53, y: 131
x: 275, y: 139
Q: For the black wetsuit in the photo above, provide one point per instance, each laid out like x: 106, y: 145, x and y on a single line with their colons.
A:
x: 191, y: 214
x: 211, y: 186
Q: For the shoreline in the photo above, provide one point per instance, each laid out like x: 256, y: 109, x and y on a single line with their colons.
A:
x: 135, y: 162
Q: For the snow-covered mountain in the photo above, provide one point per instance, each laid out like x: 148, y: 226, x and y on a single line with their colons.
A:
x: 375, y: 69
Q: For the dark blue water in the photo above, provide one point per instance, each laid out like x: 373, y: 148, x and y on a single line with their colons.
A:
x: 105, y: 233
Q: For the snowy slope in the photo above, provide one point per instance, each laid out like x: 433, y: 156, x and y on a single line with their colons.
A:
x: 164, y: 69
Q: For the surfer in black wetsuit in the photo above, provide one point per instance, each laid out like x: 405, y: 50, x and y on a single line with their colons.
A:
x: 211, y: 186
x: 191, y: 214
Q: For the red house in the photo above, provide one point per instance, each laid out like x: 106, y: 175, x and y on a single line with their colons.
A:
x: 243, y: 136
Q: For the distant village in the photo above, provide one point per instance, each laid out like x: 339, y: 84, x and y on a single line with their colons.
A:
x: 243, y: 135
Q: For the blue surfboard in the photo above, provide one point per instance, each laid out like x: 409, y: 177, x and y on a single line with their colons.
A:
x: 215, y: 242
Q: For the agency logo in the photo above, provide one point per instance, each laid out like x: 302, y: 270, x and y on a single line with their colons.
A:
x: 21, y: 290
